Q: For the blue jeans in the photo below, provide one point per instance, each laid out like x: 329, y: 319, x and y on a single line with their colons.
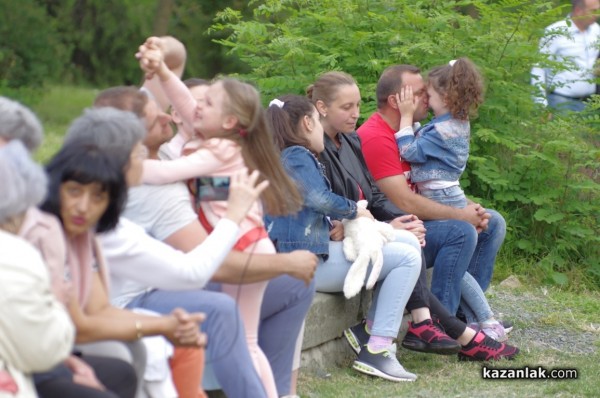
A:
x: 226, y: 351
x: 285, y: 305
x: 399, y: 273
x: 489, y: 242
x: 564, y: 104
x: 453, y: 248
x: 473, y: 303
x: 452, y: 196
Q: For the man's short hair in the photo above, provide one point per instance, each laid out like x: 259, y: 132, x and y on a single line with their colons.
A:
x: 126, y: 98
x: 390, y: 82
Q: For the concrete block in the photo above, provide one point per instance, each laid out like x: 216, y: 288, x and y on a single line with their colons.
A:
x: 330, y: 314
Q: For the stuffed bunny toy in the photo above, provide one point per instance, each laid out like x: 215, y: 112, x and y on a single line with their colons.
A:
x: 363, y: 243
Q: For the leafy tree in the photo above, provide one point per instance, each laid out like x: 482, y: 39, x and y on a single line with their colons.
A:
x: 541, y: 174
x: 190, y: 22
x: 103, y: 36
x: 30, y: 51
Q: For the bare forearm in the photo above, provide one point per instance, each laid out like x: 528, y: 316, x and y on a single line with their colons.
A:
x: 255, y: 268
x: 427, y: 209
x: 114, y: 323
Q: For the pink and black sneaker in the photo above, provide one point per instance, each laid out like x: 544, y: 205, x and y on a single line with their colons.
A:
x: 429, y: 336
x: 484, y: 348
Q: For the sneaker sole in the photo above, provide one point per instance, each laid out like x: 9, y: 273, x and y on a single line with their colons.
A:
x: 370, y: 370
x: 508, y: 330
x: 420, y: 346
x: 353, y: 341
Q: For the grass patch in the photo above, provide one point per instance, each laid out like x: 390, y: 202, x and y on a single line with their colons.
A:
x: 56, y: 109
x: 554, y: 329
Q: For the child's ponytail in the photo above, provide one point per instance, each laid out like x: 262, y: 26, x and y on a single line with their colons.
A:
x: 284, y: 115
x: 461, y: 85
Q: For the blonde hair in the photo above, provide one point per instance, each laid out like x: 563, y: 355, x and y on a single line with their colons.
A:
x: 325, y: 87
x: 255, y: 137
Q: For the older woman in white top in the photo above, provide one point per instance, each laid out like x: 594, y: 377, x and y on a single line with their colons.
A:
x: 36, y: 332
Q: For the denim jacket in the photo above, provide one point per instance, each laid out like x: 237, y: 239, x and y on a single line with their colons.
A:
x: 438, y: 151
x: 308, y: 229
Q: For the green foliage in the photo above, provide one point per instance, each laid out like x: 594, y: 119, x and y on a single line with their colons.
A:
x: 57, y: 108
x: 542, y: 175
x: 30, y: 53
x: 103, y: 36
x: 189, y: 23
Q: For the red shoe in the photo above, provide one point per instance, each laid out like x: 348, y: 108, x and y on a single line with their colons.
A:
x: 484, y: 348
x: 429, y: 336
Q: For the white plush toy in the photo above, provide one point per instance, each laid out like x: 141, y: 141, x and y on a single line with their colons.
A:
x: 363, y: 243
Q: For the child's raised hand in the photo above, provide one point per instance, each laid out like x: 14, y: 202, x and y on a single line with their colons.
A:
x: 151, y: 57
x: 243, y: 192
x: 407, y: 102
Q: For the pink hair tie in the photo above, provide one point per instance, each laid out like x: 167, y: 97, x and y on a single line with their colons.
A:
x: 243, y: 132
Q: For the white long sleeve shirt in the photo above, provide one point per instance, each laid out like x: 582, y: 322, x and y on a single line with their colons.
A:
x: 563, y: 41
x: 36, y: 332
x: 138, y: 263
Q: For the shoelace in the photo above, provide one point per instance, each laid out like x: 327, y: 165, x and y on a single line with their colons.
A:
x: 438, y: 325
x: 491, y: 343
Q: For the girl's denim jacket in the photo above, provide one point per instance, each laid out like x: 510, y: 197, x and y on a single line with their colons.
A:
x: 309, y: 228
x: 438, y: 151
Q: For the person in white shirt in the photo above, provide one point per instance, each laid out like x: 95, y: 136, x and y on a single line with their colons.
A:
x: 165, y: 213
x: 574, y: 42
x: 36, y: 332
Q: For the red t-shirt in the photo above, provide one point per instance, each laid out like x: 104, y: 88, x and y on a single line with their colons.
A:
x: 380, y: 150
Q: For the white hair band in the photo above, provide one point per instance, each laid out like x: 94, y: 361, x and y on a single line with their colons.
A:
x: 277, y: 103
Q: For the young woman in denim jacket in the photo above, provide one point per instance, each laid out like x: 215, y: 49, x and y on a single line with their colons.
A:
x: 299, y: 134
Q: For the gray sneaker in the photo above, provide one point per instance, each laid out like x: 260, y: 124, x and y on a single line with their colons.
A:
x: 382, y: 364
x: 495, y: 330
x: 357, y: 336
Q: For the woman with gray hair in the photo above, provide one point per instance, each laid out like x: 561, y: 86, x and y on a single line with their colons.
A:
x: 25, y: 186
x: 36, y: 332
x: 18, y: 122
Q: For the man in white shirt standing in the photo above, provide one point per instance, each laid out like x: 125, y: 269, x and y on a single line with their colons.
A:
x: 574, y: 42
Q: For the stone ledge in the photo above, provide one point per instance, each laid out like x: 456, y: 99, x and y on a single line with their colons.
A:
x: 330, y: 314
x: 323, y: 346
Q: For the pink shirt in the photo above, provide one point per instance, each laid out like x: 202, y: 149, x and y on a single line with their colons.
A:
x: 45, y: 233
x: 77, y: 258
x: 218, y: 157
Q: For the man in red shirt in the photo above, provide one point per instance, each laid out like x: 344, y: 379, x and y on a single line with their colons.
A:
x: 458, y: 240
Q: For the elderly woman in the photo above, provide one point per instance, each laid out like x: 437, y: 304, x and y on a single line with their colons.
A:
x: 35, y: 330
x: 90, y: 376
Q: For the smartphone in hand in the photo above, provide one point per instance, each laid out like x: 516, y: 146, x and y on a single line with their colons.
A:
x: 211, y: 188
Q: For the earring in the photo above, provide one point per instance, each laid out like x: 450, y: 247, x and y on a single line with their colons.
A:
x: 324, y: 115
